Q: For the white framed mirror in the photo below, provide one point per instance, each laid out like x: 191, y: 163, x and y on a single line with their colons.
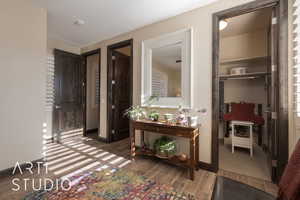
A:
x: 166, y: 69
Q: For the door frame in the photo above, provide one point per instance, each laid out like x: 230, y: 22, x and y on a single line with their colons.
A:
x: 110, y: 49
x: 282, y: 115
x: 85, y: 55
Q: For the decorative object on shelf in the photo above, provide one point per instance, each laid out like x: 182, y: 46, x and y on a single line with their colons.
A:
x: 182, y: 157
x: 137, y: 112
x: 180, y: 116
x: 154, y: 115
x: 165, y: 147
x: 192, y: 120
x: 168, y: 117
x: 238, y: 70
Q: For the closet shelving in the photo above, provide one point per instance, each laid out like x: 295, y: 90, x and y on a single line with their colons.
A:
x: 245, y: 76
x: 248, y: 62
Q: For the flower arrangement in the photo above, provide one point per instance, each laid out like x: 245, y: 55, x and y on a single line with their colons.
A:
x: 135, y: 112
x: 138, y: 112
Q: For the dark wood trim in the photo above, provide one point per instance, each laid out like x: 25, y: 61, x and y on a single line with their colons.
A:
x: 91, y: 131
x: 282, y: 68
x: 206, y: 166
x: 215, y: 94
x: 8, y: 172
x: 90, y: 53
x: 59, y: 51
x: 245, y: 8
x: 85, y: 55
x: 110, y: 49
x: 283, y: 89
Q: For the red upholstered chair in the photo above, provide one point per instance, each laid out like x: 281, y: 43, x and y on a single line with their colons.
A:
x: 244, y: 112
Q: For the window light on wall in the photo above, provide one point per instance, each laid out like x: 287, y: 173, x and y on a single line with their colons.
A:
x: 296, y: 33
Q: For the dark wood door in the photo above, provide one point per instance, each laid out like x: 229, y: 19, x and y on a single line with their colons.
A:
x: 120, y: 95
x: 68, y: 79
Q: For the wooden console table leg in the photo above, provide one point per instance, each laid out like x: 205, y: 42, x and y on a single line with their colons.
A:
x: 192, y: 158
x: 197, y: 152
x: 132, y: 138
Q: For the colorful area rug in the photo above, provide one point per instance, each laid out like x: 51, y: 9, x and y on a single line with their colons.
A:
x: 112, y: 185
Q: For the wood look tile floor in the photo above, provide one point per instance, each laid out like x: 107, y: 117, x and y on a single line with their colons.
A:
x: 76, y: 155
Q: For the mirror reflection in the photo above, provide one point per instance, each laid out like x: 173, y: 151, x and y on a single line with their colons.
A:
x: 166, y: 71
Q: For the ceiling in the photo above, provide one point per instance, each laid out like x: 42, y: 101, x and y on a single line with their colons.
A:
x: 249, y: 22
x: 105, y: 19
x: 168, y: 55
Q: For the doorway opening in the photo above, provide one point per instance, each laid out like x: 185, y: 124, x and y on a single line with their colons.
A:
x: 249, y: 86
x: 92, y: 71
x: 245, y: 94
x: 119, y: 89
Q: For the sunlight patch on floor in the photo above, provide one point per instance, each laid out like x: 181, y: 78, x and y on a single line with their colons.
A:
x: 74, y: 157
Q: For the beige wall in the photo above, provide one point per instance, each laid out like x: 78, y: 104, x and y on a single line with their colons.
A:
x: 201, y: 22
x: 22, y: 81
x: 54, y: 43
x: 248, y: 45
x: 92, y: 107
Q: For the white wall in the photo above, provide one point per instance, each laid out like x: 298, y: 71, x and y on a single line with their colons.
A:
x: 201, y: 21
x: 23, y: 39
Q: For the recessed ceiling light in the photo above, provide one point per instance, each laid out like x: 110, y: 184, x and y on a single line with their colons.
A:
x: 79, y: 22
x: 223, y: 24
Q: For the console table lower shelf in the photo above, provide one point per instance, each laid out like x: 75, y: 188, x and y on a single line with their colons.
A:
x: 191, y: 133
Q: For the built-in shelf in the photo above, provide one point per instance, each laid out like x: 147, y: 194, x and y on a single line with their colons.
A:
x: 245, y: 60
x: 244, y: 76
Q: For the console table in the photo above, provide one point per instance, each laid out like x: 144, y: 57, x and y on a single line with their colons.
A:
x: 191, y: 133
